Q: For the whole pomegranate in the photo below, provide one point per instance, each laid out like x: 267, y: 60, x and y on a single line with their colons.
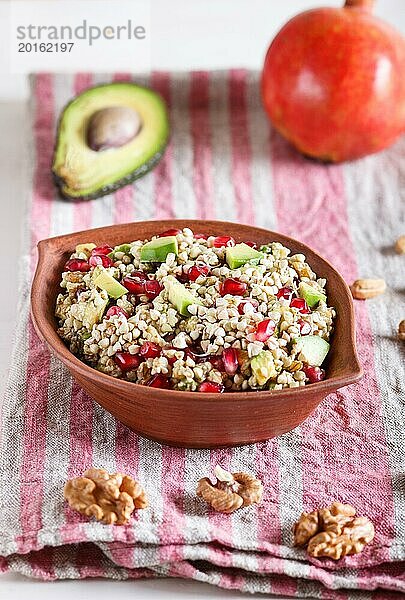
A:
x: 333, y: 82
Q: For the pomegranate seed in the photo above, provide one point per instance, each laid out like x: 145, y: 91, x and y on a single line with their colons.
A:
x: 103, y: 249
x: 159, y: 381
x: 171, y: 360
x: 126, y: 361
x: 200, y: 236
x: 264, y: 330
x: 242, y: 304
x: 182, y: 276
x: 230, y: 360
x: 232, y: 286
x: 314, y: 374
x: 150, y: 350
x: 210, y: 387
x: 199, y: 358
x: 170, y: 232
x: 217, y: 362
x: 301, y: 305
x: 135, y: 285
x: 243, y: 356
x: 195, y: 356
x: 152, y: 288
x: 77, y: 264
x: 140, y: 275
x: 285, y: 292
x: 251, y: 244
x: 223, y: 241
x: 305, y: 327
x: 116, y: 310
x: 194, y: 272
x: 188, y: 353
x: 102, y: 260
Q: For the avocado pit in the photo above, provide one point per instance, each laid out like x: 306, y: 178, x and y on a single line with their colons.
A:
x: 112, y: 127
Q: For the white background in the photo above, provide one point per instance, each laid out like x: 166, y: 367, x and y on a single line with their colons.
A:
x: 186, y: 34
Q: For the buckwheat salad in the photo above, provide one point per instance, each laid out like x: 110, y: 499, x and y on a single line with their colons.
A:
x: 186, y: 311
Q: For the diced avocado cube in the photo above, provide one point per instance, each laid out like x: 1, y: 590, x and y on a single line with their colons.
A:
x: 263, y: 367
x: 85, y: 248
x: 158, y: 249
x: 314, y: 349
x: 95, y: 308
x: 310, y: 294
x: 106, y: 282
x: 123, y: 248
x: 180, y: 296
x: 240, y: 254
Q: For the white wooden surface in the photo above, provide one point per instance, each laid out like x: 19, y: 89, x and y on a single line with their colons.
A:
x: 186, y: 35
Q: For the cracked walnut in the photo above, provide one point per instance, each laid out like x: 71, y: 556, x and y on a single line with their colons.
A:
x: 231, y: 491
x: 333, y: 532
x: 109, y: 498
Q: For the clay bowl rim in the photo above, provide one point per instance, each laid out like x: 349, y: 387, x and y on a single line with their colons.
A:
x: 46, y: 328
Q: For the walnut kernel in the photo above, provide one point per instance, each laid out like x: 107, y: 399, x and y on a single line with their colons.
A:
x: 400, y: 245
x: 231, y: 491
x: 110, y: 499
x: 401, y: 330
x: 333, y: 532
x: 305, y: 528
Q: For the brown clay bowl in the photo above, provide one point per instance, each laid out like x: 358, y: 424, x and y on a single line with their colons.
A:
x: 192, y: 419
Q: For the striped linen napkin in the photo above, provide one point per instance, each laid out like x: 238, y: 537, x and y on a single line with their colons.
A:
x: 224, y: 162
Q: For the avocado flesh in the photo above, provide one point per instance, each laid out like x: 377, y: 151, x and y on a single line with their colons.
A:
x: 263, y: 367
x: 180, y: 296
x: 314, y: 349
x: 82, y: 173
x: 94, y: 311
x: 310, y: 294
x: 122, y: 248
x: 85, y: 248
x: 158, y: 249
x: 112, y: 286
x: 239, y: 255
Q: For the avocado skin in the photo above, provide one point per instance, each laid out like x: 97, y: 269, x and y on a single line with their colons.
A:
x: 115, y: 185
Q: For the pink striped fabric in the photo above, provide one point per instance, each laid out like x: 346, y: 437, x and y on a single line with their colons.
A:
x: 201, y: 142
x: 82, y: 210
x: 224, y: 161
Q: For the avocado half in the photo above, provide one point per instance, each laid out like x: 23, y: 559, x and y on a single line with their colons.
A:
x: 84, y: 174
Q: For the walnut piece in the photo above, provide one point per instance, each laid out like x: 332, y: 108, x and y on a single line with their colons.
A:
x: 109, y: 498
x: 333, y: 532
x: 400, y: 245
x: 401, y: 331
x: 335, y: 517
x: 302, y: 269
x: 305, y: 528
x: 231, y: 490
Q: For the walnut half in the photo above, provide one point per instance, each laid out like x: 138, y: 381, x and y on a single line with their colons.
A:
x: 333, y: 532
x: 231, y: 490
x: 109, y: 498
